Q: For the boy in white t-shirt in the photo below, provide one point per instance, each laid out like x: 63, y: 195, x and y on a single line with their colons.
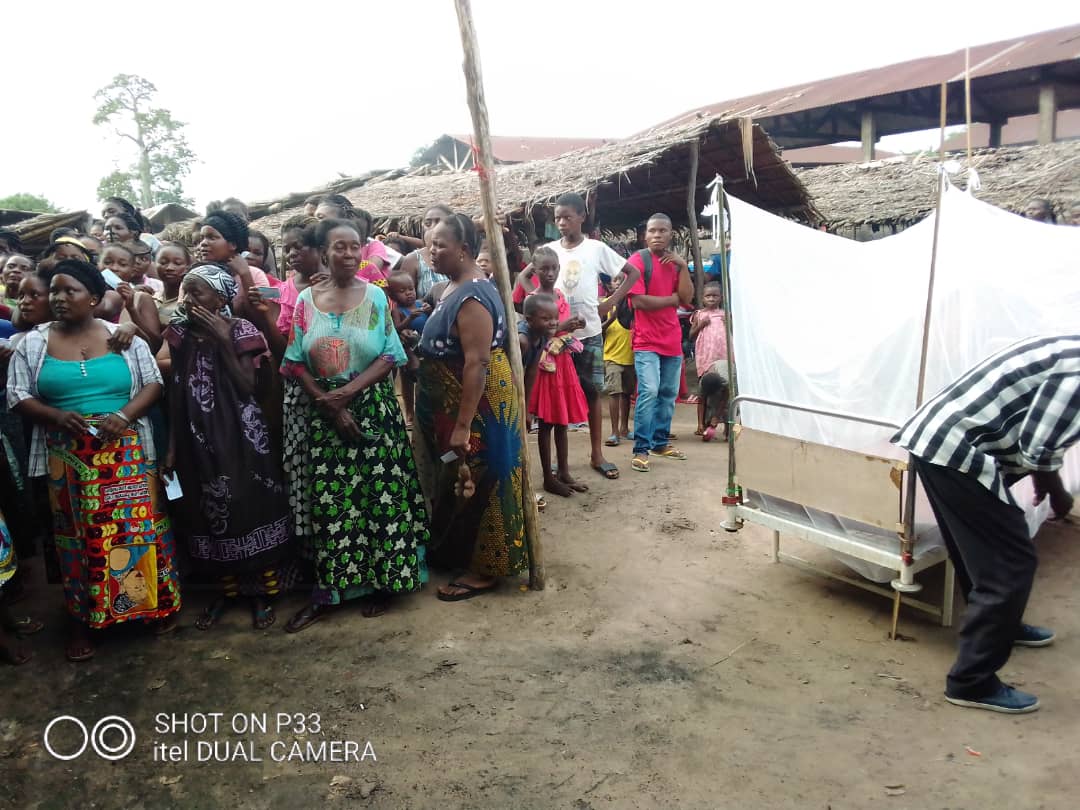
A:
x: 581, y: 263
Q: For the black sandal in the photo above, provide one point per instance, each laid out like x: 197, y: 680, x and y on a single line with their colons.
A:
x: 305, y: 617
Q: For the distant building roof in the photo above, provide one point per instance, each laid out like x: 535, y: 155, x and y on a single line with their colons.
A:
x: 829, y: 155
x: 1020, y: 131
x: 455, y: 149
x: 520, y: 149
x: 904, y: 95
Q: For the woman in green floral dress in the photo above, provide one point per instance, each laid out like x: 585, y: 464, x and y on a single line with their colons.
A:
x: 369, y: 521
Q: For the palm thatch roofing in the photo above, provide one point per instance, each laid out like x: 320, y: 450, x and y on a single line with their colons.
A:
x: 624, y: 181
x: 34, y: 232
x: 898, y: 192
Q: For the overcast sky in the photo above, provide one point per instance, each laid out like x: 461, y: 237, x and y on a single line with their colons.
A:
x: 284, y: 98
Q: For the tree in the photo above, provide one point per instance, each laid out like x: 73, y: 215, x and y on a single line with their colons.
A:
x: 164, y: 157
x: 117, y: 184
x: 417, y: 158
x: 27, y: 202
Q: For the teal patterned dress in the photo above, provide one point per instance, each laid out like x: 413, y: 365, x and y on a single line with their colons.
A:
x: 369, y: 521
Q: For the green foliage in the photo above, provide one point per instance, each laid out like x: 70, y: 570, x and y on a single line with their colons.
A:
x: 117, y: 184
x: 27, y: 202
x: 164, y: 157
x: 417, y: 158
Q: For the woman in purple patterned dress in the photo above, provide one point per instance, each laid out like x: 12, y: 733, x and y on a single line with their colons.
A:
x: 220, y: 446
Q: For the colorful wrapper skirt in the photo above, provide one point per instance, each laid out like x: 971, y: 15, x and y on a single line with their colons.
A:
x: 484, y: 534
x: 113, y: 538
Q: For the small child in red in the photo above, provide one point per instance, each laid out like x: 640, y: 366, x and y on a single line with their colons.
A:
x: 555, y: 394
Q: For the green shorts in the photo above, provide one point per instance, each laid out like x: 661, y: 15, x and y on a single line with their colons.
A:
x: 619, y: 379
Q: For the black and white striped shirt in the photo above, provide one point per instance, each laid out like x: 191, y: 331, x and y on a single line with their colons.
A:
x: 1016, y: 411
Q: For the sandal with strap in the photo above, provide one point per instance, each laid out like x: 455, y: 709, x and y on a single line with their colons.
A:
x: 212, y: 615
x: 640, y: 464
x: 670, y: 452
x: 305, y: 617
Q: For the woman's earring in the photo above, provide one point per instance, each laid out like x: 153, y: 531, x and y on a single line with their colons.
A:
x: 461, y: 257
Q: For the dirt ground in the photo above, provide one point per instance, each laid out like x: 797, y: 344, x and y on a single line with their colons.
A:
x: 667, y: 664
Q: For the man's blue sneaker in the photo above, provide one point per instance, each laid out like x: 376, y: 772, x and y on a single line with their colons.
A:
x: 1006, y: 700
x: 1031, y: 636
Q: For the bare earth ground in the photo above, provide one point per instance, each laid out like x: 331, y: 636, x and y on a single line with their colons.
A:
x: 668, y: 664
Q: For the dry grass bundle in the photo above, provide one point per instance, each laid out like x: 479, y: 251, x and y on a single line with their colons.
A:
x: 899, y: 192
x: 629, y: 179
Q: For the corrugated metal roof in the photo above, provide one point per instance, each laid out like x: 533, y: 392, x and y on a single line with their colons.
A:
x: 1033, y: 50
x: 829, y: 155
x: 519, y: 149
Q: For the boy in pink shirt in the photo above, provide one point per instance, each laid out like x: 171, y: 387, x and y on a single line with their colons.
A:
x: 657, y: 340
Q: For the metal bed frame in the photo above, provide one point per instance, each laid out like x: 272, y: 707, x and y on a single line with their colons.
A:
x: 862, y: 487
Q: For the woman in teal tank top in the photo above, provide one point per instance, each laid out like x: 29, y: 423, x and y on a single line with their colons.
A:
x: 92, y: 439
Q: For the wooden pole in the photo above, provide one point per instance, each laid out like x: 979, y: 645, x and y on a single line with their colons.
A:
x: 485, y: 167
x: 691, y: 215
x: 967, y: 99
x: 907, y: 540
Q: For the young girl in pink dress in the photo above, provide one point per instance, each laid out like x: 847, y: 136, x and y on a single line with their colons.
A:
x: 555, y: 395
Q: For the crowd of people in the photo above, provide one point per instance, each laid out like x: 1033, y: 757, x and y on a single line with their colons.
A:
x: 334, y: 417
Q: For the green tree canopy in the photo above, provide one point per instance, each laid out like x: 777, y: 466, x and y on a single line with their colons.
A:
x: 164, y: 157
x: 28, y: 202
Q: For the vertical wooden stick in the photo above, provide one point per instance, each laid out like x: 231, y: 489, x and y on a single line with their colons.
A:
x: 691, y: 215
x: 967, y: 98
x: 485, y: 167
x: 907, y: 541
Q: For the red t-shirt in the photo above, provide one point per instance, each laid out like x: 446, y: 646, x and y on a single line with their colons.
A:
x: 656, y: 330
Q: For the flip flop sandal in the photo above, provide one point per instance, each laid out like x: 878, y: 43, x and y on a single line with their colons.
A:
x: 15, y: 657
x: 212, y: 615
x: 608, y: 470
x: 309, y: 614
x: 470, y: 592
x: 541, y: 503
x: 24, y: 626
x: 262, y: 618
x: 670, y: 452
x: 76, y: 658
x: 640, y: 464
x: 699, y: 432
x: 166, y: 626
x: 612, y: 441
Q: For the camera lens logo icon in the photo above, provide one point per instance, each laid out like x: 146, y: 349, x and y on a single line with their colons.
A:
x: 95, y: 737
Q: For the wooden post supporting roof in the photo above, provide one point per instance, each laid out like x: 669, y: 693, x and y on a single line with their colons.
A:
x: 995, y: 133
x: 869, y: 135
x: 691, y: 214
x: 485, y: 166
x: 1047, y: 113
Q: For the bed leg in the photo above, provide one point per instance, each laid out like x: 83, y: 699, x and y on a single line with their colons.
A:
x: 949, y: 597
x: 895, y: 615
x: 776, y: 546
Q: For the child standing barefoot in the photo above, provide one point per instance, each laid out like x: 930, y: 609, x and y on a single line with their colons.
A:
x: 710, y: 347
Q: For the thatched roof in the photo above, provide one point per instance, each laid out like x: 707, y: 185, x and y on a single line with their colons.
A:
x: 626, y: 180
x: 901, y: 191
x: 35, y: 231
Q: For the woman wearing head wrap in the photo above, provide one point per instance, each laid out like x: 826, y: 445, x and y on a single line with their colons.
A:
x: 220, y: 445
x: 91, y: 437
x: 222, y: 237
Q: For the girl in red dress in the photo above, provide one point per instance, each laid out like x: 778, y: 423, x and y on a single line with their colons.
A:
x: 555, y: 398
